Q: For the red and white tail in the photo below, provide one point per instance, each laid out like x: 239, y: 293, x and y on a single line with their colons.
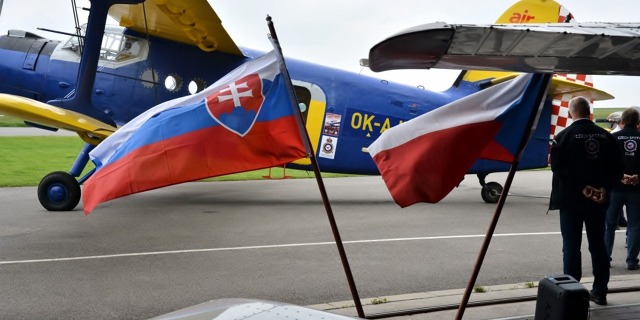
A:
x: 560, y: 118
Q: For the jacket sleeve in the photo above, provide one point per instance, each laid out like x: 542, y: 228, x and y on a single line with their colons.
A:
x: 616, y: 164
x: 557, y: 157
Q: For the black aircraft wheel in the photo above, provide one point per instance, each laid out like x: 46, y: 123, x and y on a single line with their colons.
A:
x: 59, y: 191
x: 491, y: 192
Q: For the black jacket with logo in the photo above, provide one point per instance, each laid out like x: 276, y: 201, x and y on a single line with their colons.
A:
x: 583, y: 154
x: 629, y: 143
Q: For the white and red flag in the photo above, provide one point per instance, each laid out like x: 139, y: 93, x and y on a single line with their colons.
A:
x: 423, y: 159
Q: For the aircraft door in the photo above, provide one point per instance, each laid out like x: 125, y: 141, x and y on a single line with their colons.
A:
x: 313, y: 103
x: 119, y: 71
x: 31, y: 59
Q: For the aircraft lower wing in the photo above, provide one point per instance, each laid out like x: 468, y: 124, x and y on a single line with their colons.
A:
x: 188, y: 21
x: 560, y: 86
x: 89, y: 129
x: 596, y: 48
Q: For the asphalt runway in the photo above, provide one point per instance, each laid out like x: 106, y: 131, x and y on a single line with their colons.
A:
x: 163, y: 250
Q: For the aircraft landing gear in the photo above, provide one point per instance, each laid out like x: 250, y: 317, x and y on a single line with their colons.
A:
x: 490, y: 191
x: 60, y: 191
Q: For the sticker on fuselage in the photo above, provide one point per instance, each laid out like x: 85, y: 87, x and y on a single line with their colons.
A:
x: 328, y: 147
x: 332, y: 124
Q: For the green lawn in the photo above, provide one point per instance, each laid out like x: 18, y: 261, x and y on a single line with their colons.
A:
x: 25, y: 160
x: 602, y: 113
x: 7, y: 121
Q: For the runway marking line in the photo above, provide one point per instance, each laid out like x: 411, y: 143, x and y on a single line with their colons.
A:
x: 289, y: 245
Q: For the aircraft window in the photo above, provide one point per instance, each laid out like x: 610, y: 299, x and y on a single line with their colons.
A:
x: 115, y: 46
x: 172, y: 83
x: 110, y: 46
x: 196, y: 85
x: 118, y: 47
x: 72, y: 44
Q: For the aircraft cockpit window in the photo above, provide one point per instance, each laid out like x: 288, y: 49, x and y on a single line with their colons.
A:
x: 73, y: 45
x: 115, y: 46
x: 119, y: 47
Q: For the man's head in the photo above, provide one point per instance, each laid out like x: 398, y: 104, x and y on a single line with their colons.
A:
x: 630, y: 116
x: 579, y: 108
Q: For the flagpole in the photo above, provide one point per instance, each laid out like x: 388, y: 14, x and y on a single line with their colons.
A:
x: 316, y: 170
x: 535, y: 113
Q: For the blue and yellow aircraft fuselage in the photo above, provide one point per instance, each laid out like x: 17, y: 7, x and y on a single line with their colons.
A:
x: 92, y: 84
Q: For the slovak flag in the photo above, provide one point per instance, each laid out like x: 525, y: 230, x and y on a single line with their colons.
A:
x: 245, y: 121
x: 423, y: 159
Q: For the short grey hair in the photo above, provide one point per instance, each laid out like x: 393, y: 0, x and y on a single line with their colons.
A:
x: 579, y: 107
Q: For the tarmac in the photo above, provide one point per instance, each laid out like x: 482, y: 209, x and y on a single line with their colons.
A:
x: 509, y: 301
x: 30, y: 132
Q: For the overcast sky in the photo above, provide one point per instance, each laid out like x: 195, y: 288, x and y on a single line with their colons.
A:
x: 338, y: 33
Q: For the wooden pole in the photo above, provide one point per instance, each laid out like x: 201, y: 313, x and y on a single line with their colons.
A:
x: 503, y: 196
x: 316, y: 170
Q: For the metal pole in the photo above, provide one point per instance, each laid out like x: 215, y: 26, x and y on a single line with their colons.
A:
x: 323, y: 191
x: 503, y: 196
x: 1, y: 2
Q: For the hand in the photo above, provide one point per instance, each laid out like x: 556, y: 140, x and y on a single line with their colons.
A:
x: 595, y: 195
x: 630, y: 179
x: 588, y: 191
x: 599, y: 196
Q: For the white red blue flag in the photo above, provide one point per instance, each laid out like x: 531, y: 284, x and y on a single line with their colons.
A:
x: 423, y: 159
x: 245, y: 121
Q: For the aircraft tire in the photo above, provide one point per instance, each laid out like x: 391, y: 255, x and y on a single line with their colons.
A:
x: 491, y: 192
x: 59, y: 191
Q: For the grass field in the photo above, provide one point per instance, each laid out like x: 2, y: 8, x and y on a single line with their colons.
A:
x: 26, y: 160
x: 603, y: 113
x: 6, y: 121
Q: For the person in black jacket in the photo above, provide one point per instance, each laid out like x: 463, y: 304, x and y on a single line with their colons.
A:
x: 586, y: 164
x: 627, y: 191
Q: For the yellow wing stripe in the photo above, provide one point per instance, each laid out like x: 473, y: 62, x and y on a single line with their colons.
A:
x: 89, y: 129
x: 187, y: 21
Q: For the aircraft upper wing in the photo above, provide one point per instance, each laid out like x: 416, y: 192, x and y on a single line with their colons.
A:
x: 595, y: 48
x: 89, y: 129
x: 188, y: 21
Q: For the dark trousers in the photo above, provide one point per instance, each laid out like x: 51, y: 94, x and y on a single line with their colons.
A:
x: 571, y: 221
